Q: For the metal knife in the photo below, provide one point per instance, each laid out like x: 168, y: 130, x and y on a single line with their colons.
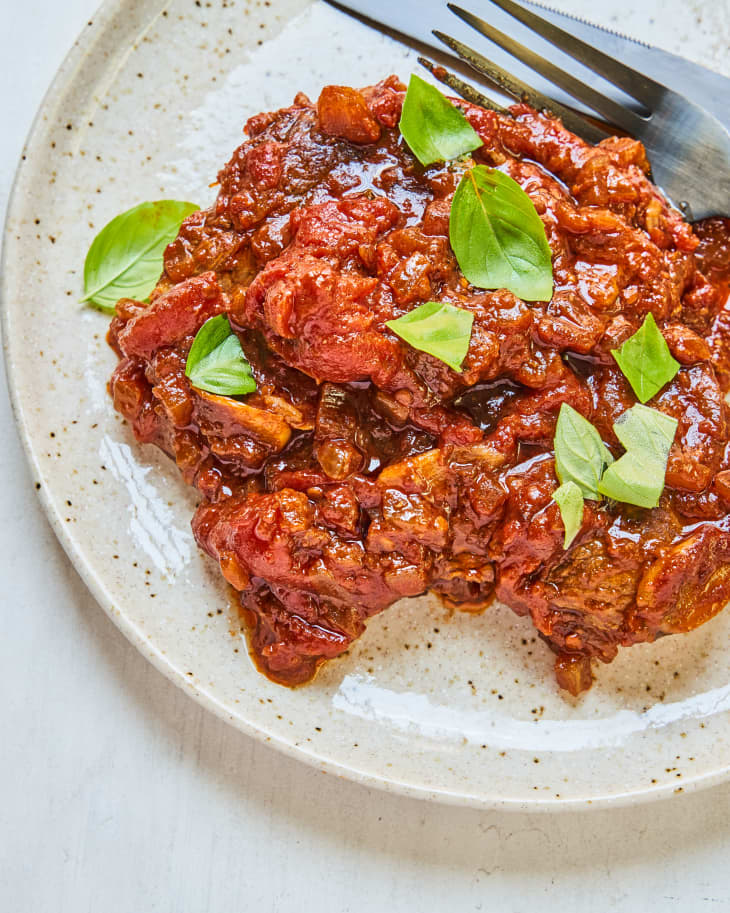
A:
x: 414, y: 19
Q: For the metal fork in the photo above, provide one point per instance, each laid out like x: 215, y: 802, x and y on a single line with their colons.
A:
x: 689, y: 149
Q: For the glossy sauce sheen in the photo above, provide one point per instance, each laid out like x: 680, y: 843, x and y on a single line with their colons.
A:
x: 363, y: 470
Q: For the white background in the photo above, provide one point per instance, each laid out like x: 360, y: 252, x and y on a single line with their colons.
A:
x: 118, y: 793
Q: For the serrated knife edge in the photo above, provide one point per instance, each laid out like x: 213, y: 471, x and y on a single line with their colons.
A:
x: 545, y: 7
x: 414, y: 19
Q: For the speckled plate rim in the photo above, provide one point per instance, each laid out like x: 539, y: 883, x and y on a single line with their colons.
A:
x: 60, y: 85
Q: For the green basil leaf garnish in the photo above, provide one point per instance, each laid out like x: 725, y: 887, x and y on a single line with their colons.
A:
x: 125, y: 258
x: 216, y: 362
x: 569, y: 499
x: 635, y: 478
x: 498, y: 237
x: 646, y: 361
x: 647, y: 431
x: 438, y: 328
x: 627, y: 480
x: 435, y: 130
x: 638, y: 476
x: 580, y: 454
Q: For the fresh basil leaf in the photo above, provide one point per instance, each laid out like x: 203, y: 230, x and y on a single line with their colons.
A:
x: 438, y: 328
x: 497, y: 236
x: 216, y: 362
x: 646, y: 361
x: 646, y: 431
x: 627, y: 481
x: 569, y: 499
x: 125, y: 258
x: 435, y: 130
x: 638, y: 476
x: 580, y: 454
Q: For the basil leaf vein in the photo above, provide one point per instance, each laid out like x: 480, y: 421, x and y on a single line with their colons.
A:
x: 580, y: 454
x: 569, y: 499
x: 438, y: 328
x: 435, y: 130
x: 216, y: 362
x: 497, y: 236
x: 125, y: 258
x: 646, y: 361
x: 638, y: 476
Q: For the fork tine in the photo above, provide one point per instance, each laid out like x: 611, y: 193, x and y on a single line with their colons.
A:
x: 521, y: 91
x: 467, y: 92
x: 607, y: 107
x: 640, y: 87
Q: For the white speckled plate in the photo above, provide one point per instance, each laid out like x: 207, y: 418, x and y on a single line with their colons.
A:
x: 457, y: 707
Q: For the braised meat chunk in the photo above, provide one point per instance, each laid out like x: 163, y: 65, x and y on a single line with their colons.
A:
x: 364, y: 469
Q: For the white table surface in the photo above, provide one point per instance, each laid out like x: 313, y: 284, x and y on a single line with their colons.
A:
x: 118, y: 794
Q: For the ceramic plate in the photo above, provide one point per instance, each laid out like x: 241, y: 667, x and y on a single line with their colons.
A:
x: 455, y: 707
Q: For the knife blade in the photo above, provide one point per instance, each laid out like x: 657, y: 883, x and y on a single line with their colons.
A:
x: 414, y: 19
